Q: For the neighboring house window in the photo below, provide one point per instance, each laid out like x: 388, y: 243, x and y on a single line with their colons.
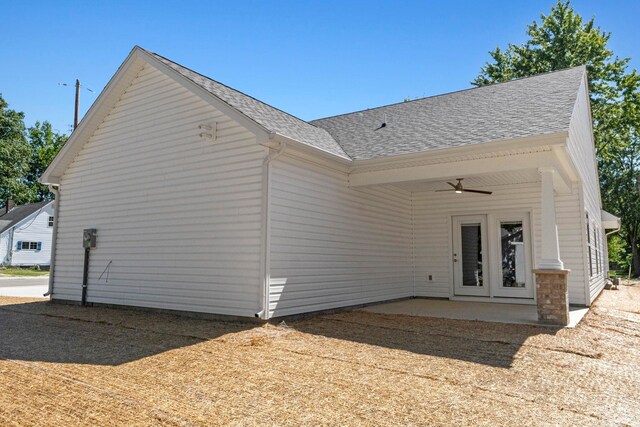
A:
x: 50, y: 221
x: 29, y: 246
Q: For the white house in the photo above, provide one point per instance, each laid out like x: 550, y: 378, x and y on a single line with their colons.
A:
x: 25, y: 235
x: 206, y: 199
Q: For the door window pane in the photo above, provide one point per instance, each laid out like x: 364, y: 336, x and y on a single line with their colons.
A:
x: 471, y: 235
x: 513, y: 256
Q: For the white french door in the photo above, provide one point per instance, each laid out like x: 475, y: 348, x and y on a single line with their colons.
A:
x: 492, y: 255
x: 512, y: 246
x: 470, y: 261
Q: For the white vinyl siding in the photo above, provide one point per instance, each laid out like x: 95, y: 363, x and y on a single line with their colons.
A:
x: 432, y: 217
x: 594, y: 248
x: 35, y: 228
x: 5, y: 239
x: 582, y: 151
x: 178, y: 216
x: 335, y: 246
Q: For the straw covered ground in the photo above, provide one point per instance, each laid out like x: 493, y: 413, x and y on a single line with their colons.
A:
x: 67, y: 366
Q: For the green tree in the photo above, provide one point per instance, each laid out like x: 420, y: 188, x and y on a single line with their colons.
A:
x: 15, y: 154
x: 45, y: 144
x: 563, y: 39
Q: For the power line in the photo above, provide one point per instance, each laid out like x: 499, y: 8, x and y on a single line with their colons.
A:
x: 77, y: 102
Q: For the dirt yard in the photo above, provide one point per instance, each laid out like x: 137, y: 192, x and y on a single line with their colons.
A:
x: 68, y: 366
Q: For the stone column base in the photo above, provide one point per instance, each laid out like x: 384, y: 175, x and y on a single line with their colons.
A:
x: 552, y: 294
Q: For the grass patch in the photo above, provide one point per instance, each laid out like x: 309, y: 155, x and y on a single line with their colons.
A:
x: 22, y: 272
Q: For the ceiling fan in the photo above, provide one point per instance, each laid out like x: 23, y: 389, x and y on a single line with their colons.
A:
x: 458, y: 188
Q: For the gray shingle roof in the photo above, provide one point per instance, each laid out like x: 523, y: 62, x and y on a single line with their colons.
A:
x: 19, y: 213
x: 530, y: 106
x: 535, y: 105
x: 269, y: 117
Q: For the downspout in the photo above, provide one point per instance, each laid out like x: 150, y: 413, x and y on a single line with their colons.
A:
x: 614, y: 231
x: 55, y: 189
x: 266, y: 234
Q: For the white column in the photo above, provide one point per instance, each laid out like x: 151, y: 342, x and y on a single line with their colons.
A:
x: 550, y: 257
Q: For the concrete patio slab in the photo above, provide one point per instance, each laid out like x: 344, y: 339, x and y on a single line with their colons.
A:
x: 471, y: 310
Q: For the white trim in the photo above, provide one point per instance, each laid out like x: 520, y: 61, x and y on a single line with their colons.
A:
x: 585, y: 248
x: 309, y: 153
x: 550, y: 244
x: 491, y: 215
x: 126, y: 72
x: 496, y: 254
x: 524, y: 143
x: 54, y: 237
x: 458, y: 288
x: 121, y: 80
x: 265, y: 265
x: 413, y: 243
x: 585, y: 83
x: 484, y: 166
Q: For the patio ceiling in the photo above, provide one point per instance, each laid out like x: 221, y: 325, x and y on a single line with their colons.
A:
x: 478, y: 181
x: 499, y: 163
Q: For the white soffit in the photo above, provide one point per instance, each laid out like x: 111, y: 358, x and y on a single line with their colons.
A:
x: 478, y: 182
x: 610, y: 221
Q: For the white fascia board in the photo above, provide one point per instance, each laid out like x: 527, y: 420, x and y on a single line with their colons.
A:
x: 125, y: 74
x: 447, y: 170
x: 609, y: 220
x: 306, y: 149
x: 585, y: 82
x: 127, y: 71
x: 551, y: 139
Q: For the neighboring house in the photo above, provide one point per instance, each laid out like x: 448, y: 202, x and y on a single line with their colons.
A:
x: 206, y: 199
x: 25, y: 235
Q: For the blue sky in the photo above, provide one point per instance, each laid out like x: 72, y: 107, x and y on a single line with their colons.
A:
x: 310, y: 58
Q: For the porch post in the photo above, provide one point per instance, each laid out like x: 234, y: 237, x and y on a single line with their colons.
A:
x: 552, y: 291
x: 550, y: 259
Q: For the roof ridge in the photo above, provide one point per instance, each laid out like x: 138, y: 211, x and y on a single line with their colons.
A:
x: 448, y: 93
x: 233, y: 89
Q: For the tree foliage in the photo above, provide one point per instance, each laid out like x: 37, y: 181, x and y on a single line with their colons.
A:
x: 562, y: 39
x: 45, y: 144
x: 14, y: 156
x: 24, y: 156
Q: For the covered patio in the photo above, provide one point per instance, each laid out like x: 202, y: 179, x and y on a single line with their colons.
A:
x: 471, y: 310
x: 503, y: 243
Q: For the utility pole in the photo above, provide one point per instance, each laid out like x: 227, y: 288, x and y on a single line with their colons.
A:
x: 75, y: 116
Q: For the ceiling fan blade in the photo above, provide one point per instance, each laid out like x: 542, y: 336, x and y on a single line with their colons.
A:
x: 440, y: 191
x: 453, y: 185
x: 477, y: 191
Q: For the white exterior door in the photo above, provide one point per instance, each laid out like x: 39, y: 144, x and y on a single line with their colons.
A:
x: 512, y: 266
x: 470, y: 255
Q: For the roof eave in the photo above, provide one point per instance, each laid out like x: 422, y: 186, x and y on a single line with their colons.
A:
x: 276, y: 137
x: 127, y: 71
x: 549, y: 139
